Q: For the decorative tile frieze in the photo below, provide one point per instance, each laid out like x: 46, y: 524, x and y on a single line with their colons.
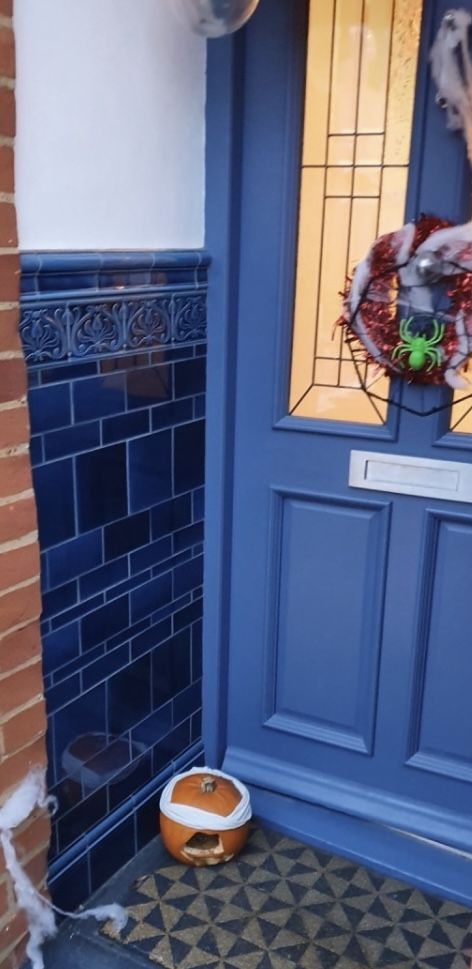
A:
x: 64, y: 319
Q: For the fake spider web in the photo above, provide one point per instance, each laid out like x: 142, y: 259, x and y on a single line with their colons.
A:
x: 370, y: 367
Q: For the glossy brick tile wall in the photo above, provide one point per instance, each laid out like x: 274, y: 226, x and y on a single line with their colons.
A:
x: 117, y: 424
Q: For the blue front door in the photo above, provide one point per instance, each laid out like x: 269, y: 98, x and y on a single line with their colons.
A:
x: 350, y: 641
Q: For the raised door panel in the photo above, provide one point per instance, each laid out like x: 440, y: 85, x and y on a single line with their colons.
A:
x: 441, y: 702
x: 325, y: 614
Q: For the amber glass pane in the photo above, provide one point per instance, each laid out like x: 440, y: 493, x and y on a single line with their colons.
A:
x: 361, y: 69
x: 461, y: 414
x: 460, y: 420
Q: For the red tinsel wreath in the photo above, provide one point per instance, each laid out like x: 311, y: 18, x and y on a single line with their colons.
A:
x: 371, y: 317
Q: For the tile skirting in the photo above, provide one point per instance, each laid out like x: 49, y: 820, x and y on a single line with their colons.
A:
x: 116, y: 356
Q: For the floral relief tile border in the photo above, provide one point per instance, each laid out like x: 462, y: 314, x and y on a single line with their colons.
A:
x: 139, y: 302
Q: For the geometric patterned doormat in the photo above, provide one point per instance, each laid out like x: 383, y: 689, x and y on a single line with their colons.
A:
x: 282, y: 905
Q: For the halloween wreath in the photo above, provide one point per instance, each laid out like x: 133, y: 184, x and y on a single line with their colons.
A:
x: 408, y: 307
x: 410, y: 302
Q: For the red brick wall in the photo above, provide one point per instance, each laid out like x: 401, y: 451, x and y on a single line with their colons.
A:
x: 22, y: 718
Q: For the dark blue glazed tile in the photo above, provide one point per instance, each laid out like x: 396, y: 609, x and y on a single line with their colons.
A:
x: 113, y: 851
x: 125, y: 426
x: 153, y: 727
x: 86, y: 714
x: 150, y: 470
x: 199, y: 406
x: 130, y: 361
x: 130, y: 781
x: 151, y: 637
x: 81, y: 818
x: 187, y: 702
x: 84, y: 606
x: 159, y: 278
x: 105, y: 666
x: 60, y: 647
x: 101, y: 486
x: 33, y: 378
x: 103, y: 577
x: 122, y: 587
x: 187, y: 615
x: 189, y: 456
x: 78, y: 664
x: 99, y: 396
x: 74, y: 558
x: 58, y: 696
x: 170, y: 515
x: 149, y: 386
x: 59, y: 599
x: 114, y: 279
x: 197, y: 650
x: 71, y: 440
x: 54, y: 490
x: 53, y: 843
x: 190, y: 377
x: 188, y: 537
x: 36, y: 450
x: 72, y: 886
x: 196, y: 733
x: 198, y: 499
x: 28, y: 284
x: 126, y: 634
x: 51, y: 776
x: 188, y: 575
x: 49, y: 408
x: 72, y: 371
x: 167, y: 415
x: 105, y: 622
x: 53, y: 282
x: 151, y: 596
x: 171, y: 746
x: 171, y: 609
x: 125, y: 535
x: 147, y: 820
x: 103, y: 503
x: 129, y: 695
x: 171, y: 668
x: 67, y: 795
x: 44, y: 572
x: 129, y: 261
x: 170, y: 354
x: 171, y: 563
x: 145, y: 557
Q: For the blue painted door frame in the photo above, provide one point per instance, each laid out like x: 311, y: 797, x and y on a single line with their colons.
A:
x: 341, y: 767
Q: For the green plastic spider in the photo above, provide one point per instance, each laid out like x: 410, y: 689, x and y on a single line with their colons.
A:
x: 419, y: 348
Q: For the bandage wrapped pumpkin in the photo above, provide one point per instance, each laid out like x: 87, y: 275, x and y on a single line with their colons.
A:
x: 204, y: 817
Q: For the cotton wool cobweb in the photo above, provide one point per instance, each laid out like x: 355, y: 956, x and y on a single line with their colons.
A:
x: 39, y: 911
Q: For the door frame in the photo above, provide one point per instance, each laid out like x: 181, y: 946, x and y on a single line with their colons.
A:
x: 425, y: 864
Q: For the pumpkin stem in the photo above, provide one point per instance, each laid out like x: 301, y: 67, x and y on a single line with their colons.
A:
x: 208, y: 785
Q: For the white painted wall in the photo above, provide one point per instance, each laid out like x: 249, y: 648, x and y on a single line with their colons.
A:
x: 110, y: 122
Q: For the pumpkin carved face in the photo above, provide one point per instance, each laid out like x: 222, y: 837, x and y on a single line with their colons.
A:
x: 204, y: 818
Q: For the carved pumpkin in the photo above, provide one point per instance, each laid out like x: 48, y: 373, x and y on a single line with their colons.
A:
x: 204, y: 817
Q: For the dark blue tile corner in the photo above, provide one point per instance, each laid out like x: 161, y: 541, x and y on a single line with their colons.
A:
x: 117, y: 403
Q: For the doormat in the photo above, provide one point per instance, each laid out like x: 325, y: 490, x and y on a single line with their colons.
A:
x: 282, y: 905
